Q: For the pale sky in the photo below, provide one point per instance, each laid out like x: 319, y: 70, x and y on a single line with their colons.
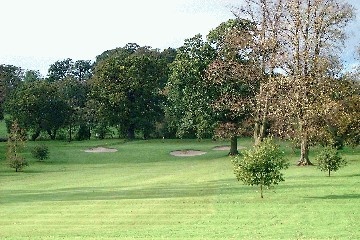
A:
x: 36, y: 33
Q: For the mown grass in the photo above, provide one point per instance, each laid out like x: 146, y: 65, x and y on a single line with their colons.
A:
x: 142, y: 192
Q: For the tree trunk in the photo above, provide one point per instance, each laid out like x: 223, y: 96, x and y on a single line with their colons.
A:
x: 131, y: 132
x: 52, y: 134
x: 35, y: 135
x: 233, y: 147
x: 261, y: 123
x: 304, y: 153
x: 257, y: 138
x: 70, y: 132
x: 329, y: 172
x: 259, y: 131
x: 261, y: 191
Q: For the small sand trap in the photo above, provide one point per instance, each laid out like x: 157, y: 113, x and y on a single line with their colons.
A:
x: 100, y: 150
x: 187, y: 153
x: 225, y: 148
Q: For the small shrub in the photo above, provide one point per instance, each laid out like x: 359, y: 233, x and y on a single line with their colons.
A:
x: 261, y: 165
x: 40, y: 152
x: 329, y: 160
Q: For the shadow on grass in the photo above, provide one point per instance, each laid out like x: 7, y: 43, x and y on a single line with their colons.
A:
x: 334, y: 197
x: 351, y: 175
x: 115, y: 193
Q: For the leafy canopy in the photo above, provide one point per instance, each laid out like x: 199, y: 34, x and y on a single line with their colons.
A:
x: 261, y: 165
x: 330, y: 160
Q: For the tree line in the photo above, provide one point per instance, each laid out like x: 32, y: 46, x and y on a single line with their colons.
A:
x: 272, y: 70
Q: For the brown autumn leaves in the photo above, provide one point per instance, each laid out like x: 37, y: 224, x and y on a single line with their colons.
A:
x: 292, y: 73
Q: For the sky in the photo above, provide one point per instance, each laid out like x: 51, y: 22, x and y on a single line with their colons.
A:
x: 36, y: 33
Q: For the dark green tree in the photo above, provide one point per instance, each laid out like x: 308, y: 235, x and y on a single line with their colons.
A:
x: 188, y: 96
x: 38, y: 106
x: 40, y: 152
x: 60, y: 70
x: 127, y: 87
x: 10, y: 79
x: 74, y: 92
x: 67, y: 68
x: 82, y: 70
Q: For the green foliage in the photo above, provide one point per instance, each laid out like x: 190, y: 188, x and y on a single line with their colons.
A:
x: 233, y: 77
x: 329, y: 160
x: 10, y: 79
x: 188, y: 109
x: 39, y: 106
x: 261, y: 165
x: 127, y: 89
x: 81, y: 70
x: 15, y: 145
x: 32, y: 75
x: 40, y: 152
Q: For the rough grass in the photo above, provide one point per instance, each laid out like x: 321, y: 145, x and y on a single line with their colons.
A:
x: 143, y: 192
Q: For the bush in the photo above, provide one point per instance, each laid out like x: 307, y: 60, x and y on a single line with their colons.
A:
x: 330, y: 160
x: 261, y: 165
x: 40, y: 152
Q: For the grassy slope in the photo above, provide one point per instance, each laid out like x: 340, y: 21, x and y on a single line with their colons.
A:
x: 143, y: 192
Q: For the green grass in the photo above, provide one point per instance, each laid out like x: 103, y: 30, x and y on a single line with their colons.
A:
x: 142, y: 192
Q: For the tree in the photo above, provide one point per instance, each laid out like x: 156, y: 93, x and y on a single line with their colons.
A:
x: 40, y: 152
x: 329, y: 160
x: 266, y: 15
x: 261, y: 165
x: 339, y: 123
x: 307, y: 37
x: 60, y: 70
x: 314, y: 32
x: 82, y: 70
x: 15, y: 144
x: 37, y: 106
x: 31, y: 76
x: 234, y: 77
x: 74, y: 92
x: 10, y: 79
x: 188, y: 96
x: 127, y: 87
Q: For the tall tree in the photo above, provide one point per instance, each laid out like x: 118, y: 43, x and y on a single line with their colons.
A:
x: 82, y: 70
x: 74, y: 92
x: 314, y: 32
x: 31, y: 76
x: 188, y: 108
x: 308, y: 35
x: 38, y: 106
x: 10, y: 79
x: 267, y: 14
x: 60, y: 70
x: 127, y: 89
x: 234, y: 77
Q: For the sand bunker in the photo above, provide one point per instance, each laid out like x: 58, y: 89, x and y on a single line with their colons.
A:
x: 225, y: 148
x: 100, y: 150
x: 187, y: 153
